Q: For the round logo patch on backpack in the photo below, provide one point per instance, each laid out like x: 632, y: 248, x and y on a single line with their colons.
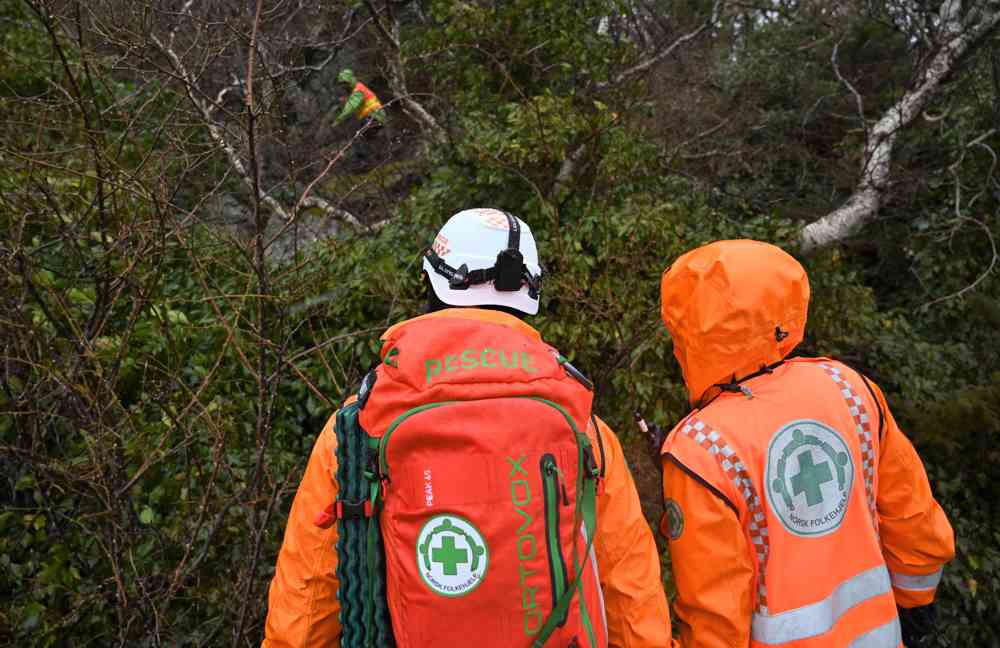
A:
x: 452, y: 555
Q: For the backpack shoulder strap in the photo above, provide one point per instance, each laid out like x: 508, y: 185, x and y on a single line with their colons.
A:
x: 600, y: 443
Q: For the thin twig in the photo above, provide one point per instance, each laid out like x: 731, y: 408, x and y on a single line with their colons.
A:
x: 857, y: 95
x: 986, y: 273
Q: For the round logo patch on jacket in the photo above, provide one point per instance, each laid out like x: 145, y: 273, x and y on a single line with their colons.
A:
x: 809, y: 477
x: 452, y: 556
x: 674, y: 517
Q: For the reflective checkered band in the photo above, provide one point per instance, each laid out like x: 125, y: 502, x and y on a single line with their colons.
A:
x: 496, y: 220
x: 736, y: 471
x: 864, y: 429
x: 440, y: 246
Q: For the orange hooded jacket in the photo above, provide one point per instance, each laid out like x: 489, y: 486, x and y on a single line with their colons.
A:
x: 751, y: 570
x: 303, y: 606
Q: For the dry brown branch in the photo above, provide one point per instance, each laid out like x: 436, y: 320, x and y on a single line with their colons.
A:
x: 656, y: 57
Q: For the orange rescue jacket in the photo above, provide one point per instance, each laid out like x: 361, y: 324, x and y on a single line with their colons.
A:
x: 303, y: 607
x: 797, y: 512
x: 370, y: 103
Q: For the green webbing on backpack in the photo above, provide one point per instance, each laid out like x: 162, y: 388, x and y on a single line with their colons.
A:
x: 360, y: 576
x: 586, y: 508
x: 590, y: 526
x: 587, y: 484
x: 379, y: 623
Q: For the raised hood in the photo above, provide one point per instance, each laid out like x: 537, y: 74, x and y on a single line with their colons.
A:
x: 731, y: 308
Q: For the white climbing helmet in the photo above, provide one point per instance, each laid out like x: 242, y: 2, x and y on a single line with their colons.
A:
x: 485, y: 257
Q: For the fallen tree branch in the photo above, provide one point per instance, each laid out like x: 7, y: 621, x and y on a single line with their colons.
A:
x: 863, y: 204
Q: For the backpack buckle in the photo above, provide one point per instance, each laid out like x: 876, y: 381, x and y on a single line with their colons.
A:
x: 342, y: 510
x: 590, y: 465
x: 460, y: 279
x: 348, y: 510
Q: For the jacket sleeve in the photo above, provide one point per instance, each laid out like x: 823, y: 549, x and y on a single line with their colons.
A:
x: 627, y: 558
x: 917, y: 539
x: 302, y: 603
x: 712, y: 565
x: 351, y: 105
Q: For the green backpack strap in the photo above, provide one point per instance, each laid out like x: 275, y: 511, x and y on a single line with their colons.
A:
x: 586, y: 510
x: 378, y: 622
x: 364, y: 619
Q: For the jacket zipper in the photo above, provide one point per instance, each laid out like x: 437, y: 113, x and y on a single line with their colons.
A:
x: 554, y: 491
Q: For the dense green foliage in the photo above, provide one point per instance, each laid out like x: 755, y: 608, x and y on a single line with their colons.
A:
x: 163, y: 378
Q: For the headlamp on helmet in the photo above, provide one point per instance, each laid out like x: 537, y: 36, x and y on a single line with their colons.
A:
x: 508, y: 274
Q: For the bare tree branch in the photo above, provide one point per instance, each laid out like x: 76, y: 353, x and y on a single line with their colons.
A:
x: 566, y: 172
x: 857, y: 95
x: 705, y: 133
x: 569, y: 165
x: 994, y: 258
x: 397, y: 75
x: 863, y: 205
x: 249, y: 177
x: 652, y: 60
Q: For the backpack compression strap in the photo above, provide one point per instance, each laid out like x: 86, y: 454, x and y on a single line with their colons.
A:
x: 586, y: 508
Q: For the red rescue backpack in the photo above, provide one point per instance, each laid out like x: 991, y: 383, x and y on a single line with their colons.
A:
x: 478, y: 493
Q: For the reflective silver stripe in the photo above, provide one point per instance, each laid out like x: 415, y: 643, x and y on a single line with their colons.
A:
x: 917, y: 583
x: 887, y: 636
x: 818, y: 618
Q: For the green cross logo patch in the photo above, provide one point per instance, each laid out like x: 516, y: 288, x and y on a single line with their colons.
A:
x: 809, y: 477
x: 675, y: 518
x: 452, y: 556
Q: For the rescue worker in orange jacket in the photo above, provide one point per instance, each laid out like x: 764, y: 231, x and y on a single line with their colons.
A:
x: 303, y: 606
x: 797, y: 512
x: 362, y: 102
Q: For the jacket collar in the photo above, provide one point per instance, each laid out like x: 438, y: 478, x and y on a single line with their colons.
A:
x: 479, y: 314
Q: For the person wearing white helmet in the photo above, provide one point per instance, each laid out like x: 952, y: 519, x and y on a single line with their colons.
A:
x: 485, y: 257
x: 483, y: 270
